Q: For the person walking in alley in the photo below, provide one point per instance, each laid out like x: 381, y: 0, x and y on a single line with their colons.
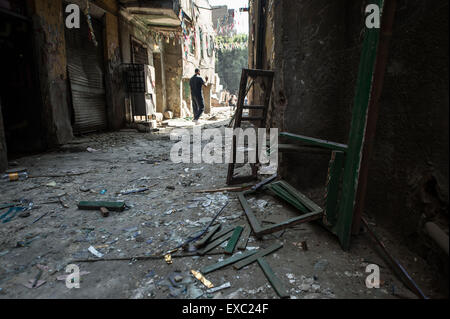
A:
x: 198, y: 105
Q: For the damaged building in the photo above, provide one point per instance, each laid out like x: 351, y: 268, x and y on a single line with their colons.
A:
x: 314, y: 48
x: 124, y: 63
x: 325, y: 178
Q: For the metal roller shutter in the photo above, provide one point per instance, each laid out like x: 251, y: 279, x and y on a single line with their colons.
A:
x: 86, y: 75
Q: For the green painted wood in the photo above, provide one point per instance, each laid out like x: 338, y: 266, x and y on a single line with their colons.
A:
x: 214, y: 244
x: 315, y: 141
x: 261, y: 253
x: 226, y: 262
x: 333, y: 187
x: 290, y: 222
x: 253, y: 221
x: 233, y: 240
x: 357, y: 132
x: 242, y: 244
x: 224, y: 231
x: 313, y: 207
x: 202, y: 242
x: 286, y: 196
x: 273, y: 279
x: 112, y: 206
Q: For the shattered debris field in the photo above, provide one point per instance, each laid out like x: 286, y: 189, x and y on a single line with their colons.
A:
x: 122, y: 255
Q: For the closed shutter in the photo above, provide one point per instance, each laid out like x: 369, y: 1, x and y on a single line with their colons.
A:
x: 86, y: 76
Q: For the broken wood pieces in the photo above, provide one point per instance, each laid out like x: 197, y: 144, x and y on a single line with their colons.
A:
x: 226, y: 262
x: 202, y: 242
x: 251, y: 259
x: 224, y: 231
x: 273, y: 279
x: 104, y: 211
x: 215, y: 243
x: 242, y: 244
x: 314, y: 211
x: 233, y: 240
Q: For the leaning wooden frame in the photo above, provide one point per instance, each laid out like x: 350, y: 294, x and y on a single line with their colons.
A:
x: 311, y: 211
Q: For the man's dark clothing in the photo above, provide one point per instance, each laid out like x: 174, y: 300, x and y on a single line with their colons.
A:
x: 198, y: 105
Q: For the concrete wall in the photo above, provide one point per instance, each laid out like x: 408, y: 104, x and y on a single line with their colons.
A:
x: 173, y: 63
x: 3, y: 149
x: 315, y: 47
x: 48, y: 27
x: 115, y: 89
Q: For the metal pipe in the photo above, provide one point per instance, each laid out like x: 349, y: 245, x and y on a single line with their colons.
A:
x: 438, y: 235
x: 408, y: 281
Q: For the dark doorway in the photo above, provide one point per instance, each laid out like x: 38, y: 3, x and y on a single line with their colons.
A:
x: 19, y: 86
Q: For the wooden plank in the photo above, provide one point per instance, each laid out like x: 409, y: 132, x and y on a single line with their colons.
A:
x: 273, y: 279
x: 253, y: 221
x: 387, y: 25
x: 113, y: 206
x: 259, y: 254
x: 315, y: 141
x: 242, y: 244
x: 358, y: 126
x: 333, y: 186
x: 226, y: 262
x: 283, y: 194
x: 259, y: 231
x: 313, y: 207
x: 233, y: 240
x: 289, y: 223
x: 287, y: 148
x: 224, y: 231
x: 214, y: 244
x: 204, y: 240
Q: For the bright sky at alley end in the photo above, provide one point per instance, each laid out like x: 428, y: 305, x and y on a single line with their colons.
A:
x: 241, y: 17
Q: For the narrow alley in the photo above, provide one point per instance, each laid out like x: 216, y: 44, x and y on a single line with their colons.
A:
x: 102, y: 167
x: 207, y: 150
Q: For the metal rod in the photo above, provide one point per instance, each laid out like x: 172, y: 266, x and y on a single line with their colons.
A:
x: 409, y: 282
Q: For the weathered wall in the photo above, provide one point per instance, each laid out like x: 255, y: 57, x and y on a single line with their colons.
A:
x: 317, y: 46
x: 115, y: 90
x: 173, y: 63
x: 159, y: 84
x: 3, y: 149
x: 409, y: 168
x: 48, y: 27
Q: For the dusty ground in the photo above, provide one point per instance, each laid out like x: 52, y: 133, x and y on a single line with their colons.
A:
x: 160, y: 219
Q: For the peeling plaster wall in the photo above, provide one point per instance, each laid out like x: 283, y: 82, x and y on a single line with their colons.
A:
x: 315, y: 51
x: 48, y: 28
x: 3, y: 149
x: 115, y: 90
x: 173, y: 63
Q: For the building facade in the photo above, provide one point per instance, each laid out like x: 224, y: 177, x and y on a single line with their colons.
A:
x: 314, y: 49
x: 126, y: 61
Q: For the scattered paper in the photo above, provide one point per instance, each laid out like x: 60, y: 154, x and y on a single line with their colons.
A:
x: 95, y: 252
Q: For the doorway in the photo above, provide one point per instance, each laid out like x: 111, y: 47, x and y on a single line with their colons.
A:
x: 19, y: 86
